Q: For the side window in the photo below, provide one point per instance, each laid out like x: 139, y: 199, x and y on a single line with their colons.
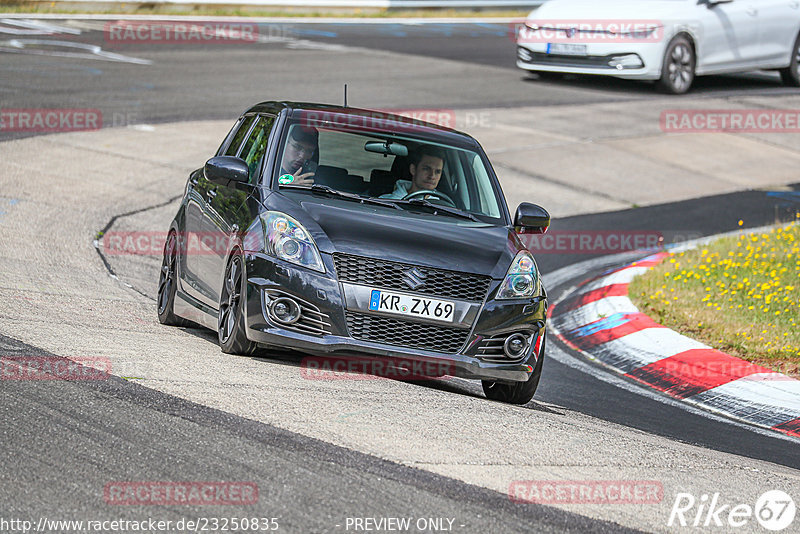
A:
x: 255, y: 147
x: 233, y: 148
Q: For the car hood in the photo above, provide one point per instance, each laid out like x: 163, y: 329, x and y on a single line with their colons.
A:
x: 409, y: 237
x: 617, y: 10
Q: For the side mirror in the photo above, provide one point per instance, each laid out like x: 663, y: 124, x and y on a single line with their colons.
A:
x: 712, y: 3
x: 532, y: 218
x: 227, y: 170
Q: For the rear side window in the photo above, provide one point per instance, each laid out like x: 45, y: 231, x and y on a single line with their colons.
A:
x: 255, y: 147
x: 233, y: 149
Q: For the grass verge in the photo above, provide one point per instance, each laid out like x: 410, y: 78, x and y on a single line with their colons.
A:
x: 739, y: 295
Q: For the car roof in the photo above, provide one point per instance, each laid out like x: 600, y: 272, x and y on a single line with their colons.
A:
x: 378, y: 120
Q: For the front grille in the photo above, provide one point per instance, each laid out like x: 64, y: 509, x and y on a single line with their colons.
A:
x: 312, y: 320
x: 406, y: 334
x: 389, y: 275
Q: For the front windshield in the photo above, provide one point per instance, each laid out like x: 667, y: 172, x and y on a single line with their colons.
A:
x: 387, y: 166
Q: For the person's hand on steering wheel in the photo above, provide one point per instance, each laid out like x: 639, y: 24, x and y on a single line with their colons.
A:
x: 437, y: 195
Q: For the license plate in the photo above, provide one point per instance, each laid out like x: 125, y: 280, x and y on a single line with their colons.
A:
x: 566, y: 49
x: 412, y: 306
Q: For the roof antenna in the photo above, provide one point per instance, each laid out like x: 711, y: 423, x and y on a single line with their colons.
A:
x: 345, y: 95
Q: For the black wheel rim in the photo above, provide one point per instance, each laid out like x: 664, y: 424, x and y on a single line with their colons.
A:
x: 679, y: 67
x: 166, y: 281
x: 229, y: 301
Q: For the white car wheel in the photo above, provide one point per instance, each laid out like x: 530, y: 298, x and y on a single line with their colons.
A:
x: 791, y: 74
x: 677, y: 72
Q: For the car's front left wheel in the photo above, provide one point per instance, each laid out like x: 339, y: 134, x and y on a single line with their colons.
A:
x: 520, y: 392
x: 677, y: 71
x: 231, y: 326
x: 791, y: 74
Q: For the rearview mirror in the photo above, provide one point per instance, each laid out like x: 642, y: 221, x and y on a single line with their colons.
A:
x: 386, y: 148
x: 227, y: 170
x: 532, y: 218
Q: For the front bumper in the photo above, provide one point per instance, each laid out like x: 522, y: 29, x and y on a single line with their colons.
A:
x: 324, y: 295
x: 640, y: 63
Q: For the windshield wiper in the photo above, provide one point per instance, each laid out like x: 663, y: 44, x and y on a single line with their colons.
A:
x: 455, y: 212
x: 319, y: 188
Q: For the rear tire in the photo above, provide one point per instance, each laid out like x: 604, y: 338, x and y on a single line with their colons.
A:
x: 677, y: 70
x: 520, y: 392
x: 231, y: 324
x: 167, y: 284
x: 791, y: 74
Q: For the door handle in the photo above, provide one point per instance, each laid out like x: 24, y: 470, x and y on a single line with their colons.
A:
x: 212, y: 193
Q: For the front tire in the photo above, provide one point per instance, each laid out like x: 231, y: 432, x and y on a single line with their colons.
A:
x: 520, y: 392
x: 677, y: 70
x: 231, y: 325
x: 791, y: 74
x: 167, y: 284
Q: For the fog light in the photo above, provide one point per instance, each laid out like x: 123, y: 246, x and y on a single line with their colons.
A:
x: 628, y: 61
x: 515, y: 346
x: 285, y: 311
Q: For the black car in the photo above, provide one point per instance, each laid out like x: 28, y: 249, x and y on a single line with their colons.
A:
x: 341, y: 231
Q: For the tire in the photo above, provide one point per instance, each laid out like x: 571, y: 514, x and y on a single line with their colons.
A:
x: 231, y: 325
x: 520, y: 392
x: 677, y: 70
x: 167, y: 284
x: 791, y: 74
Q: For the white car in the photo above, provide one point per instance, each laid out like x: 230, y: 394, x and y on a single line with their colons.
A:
x: 670, y: 41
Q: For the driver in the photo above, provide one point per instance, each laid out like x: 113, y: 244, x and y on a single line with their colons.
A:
x: 300, y: 147
x: 426, y: 166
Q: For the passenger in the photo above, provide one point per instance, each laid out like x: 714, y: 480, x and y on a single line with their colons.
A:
x: 300, y: 147
x: 427, y: 163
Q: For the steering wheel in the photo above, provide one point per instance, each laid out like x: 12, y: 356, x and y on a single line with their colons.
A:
x: 435, y: 194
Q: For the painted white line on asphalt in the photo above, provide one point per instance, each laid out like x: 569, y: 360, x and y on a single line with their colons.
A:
x: 86, y: 51
x: 34, y: 27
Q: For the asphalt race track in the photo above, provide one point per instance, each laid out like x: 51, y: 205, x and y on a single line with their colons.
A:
x: 321, y: 452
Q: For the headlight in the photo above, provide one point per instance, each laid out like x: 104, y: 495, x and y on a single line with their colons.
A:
x: 288, y: 240
x: 522, y: 279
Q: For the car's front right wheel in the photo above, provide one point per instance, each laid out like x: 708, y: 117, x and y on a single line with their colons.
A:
x: 520, y: 392
x: 791, y: 74
x: 167, y: 284
x: 231, y: 325
x: 677, y: 71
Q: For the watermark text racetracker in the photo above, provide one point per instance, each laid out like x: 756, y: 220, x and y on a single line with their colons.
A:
x: 586, y: 491
x: 569, y: 31
x: 354, y: 367
x: 165, y: 493
x: 54, y: 368
x: 591, y: 241
x: 731, y: 120
x: 194, y: 32
x: 50, y: 120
